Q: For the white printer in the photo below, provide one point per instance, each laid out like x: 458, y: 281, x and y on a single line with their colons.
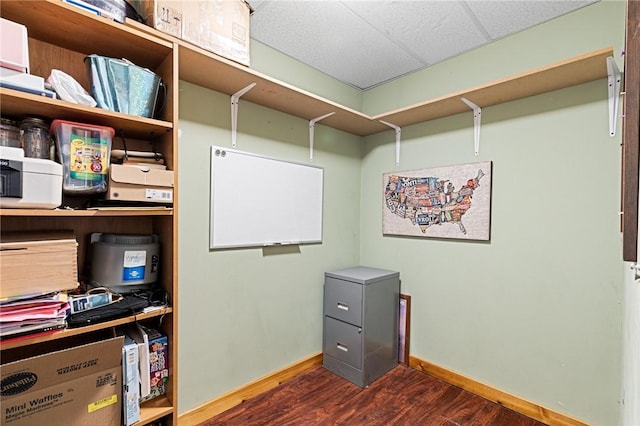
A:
x: 28, y: 183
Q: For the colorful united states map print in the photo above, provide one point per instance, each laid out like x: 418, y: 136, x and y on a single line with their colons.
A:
x: 436, y: 201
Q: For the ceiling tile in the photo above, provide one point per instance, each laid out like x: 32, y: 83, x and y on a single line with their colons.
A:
x: 431, y: 31
x: 331, y: 38
x: 501, y: 17
x: 368, y: 42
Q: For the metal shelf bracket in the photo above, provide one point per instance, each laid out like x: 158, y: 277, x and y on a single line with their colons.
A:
x: 477, y: 112
x: 398, y: 137
x: 613, y: 82
x: 312, y: 126
x: 234, y: 112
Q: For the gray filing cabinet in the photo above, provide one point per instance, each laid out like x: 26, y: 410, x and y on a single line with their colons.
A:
x: 360, y: 339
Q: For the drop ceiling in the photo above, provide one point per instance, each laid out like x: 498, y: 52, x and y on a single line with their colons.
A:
x: 366, y: 43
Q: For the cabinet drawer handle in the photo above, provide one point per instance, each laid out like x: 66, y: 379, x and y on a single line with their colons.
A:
x: 343, y: 306
x: 342, y: 347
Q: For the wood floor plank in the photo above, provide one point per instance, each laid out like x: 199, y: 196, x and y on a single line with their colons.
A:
x: 404, y: 396
x: 464, y: 408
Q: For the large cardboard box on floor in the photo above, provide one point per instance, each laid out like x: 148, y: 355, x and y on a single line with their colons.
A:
x: 74, y: 387
x: 37, y: 262
x: 220, y: 26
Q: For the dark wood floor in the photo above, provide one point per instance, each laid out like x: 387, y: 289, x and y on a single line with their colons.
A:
x: 403, y: 396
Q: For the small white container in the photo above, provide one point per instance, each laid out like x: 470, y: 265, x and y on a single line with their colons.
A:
x: 29, y: 183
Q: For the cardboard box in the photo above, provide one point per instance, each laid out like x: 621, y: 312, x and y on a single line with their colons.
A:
x: 139, y: 336
x: 77, y: 386
x: 220, y: 26
x: 29, y: 183
x: 139, y: 183
x: 38, y: 262
x: 163, y: 15
x: 130, y: 382
x: 158, y: 363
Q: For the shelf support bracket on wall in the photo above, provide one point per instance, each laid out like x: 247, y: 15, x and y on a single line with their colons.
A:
x: 477, y: 113
x: 234, y: 112
x: 614, y: 93
x: 398, y: 137
x: 312, y: 125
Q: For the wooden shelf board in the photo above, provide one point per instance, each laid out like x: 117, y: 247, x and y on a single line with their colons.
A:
x: 155, y: 409
x: 571, y: 72
x: 18, y: 104
x: 68, y: 332
x: 52, y: 22
x: 206, y: 69
x: 86, y: 213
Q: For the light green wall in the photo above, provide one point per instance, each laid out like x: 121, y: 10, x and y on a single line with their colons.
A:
x: 246, y: 313
x: 536, y: 312
x: 631, y: 349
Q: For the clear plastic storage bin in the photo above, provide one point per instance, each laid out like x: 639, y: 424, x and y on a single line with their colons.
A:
x: 84, y: 151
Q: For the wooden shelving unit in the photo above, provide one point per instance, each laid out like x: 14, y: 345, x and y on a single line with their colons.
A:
x: 60, y: 37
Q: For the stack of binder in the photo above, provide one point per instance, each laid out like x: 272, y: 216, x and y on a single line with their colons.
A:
x: 120, y: 85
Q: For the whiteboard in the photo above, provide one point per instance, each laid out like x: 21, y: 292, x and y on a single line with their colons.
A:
x: 261, y: 201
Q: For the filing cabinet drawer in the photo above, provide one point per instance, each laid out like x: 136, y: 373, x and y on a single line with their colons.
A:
x: 343, y: 341
x: 343, y: 300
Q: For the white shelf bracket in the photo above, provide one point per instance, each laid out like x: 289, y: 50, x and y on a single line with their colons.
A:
x: 234, y: 112
x: 477, y: 113
x: 614, y: 94
x: 398, y: 137
x: 312, y: 126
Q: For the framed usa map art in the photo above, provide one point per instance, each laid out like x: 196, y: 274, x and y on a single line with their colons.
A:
x: 441, y: 202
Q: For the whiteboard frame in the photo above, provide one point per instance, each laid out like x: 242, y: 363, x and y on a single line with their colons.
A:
x: 302, y: 235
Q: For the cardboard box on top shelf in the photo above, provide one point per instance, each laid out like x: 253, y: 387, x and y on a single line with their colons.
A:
x: 219, y: 26
x: 73, y: 387
x: 163, y: 15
